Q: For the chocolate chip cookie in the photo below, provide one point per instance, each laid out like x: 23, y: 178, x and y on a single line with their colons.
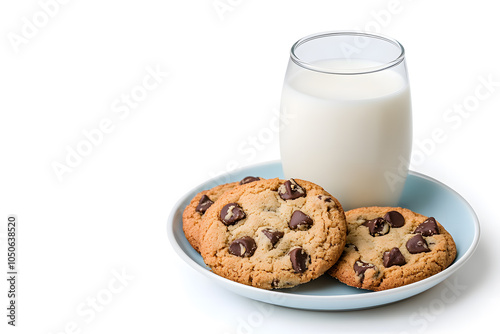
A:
x: 390, y: 247
x: 273, y: 233
x: 194, y: 211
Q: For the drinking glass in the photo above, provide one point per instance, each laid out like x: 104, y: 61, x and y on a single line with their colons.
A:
x: 345, y: 117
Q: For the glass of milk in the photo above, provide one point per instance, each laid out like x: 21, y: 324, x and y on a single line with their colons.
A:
x: 345, y: 117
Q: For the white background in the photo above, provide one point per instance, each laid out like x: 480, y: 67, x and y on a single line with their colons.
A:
x: 63, y: 74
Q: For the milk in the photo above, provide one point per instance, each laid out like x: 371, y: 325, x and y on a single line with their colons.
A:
x: 351, y: 134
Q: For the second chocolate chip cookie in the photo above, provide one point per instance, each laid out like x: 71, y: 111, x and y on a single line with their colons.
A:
x: 391, y: 247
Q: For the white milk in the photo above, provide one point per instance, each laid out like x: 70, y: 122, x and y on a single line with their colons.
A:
x: 351, y: 134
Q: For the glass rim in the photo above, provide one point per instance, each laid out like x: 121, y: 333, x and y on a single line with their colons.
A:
x: 365, y: 70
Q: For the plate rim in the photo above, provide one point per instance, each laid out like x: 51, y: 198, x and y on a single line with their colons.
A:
x: 417, y: 286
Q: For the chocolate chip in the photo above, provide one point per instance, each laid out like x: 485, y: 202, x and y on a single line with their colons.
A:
x: 291, y: 190
x: 428, y: 227
x: 353, y: 246
x: 300, y: 221
x: 273, y: 235
x: 299, y: 259
x: 360, y: 267
x: 231, y: 213
x: 393, y: 258
x: 417, y: 244
x: 327, y: 199
x: 377, y: 226
x: 249, y: 179
x: 204, y: 204
x: 394, y: 218
x: 243, y: 247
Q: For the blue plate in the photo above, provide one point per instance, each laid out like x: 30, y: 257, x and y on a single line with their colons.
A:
x: 421, y: 194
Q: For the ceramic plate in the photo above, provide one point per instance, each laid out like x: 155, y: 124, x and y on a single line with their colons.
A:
x: 421, y: 194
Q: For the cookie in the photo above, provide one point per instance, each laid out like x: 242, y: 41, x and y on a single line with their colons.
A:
x: 194, y: 211
x: 390, y: 247
x: 273, y: 233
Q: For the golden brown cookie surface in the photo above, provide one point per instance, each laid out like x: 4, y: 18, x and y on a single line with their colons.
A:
x: 195, y: 210
x: 389, y: 247
x: 193, y: 214
x: 273, y: 233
